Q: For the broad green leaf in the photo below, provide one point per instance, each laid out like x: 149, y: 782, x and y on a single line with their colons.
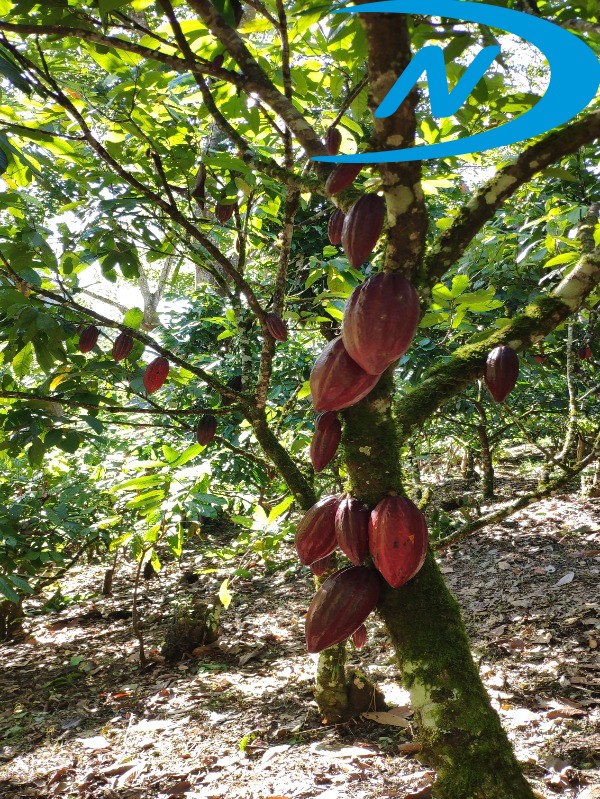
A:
x: 280, y: 508
x: 133, y: 318
x: 22, y: 361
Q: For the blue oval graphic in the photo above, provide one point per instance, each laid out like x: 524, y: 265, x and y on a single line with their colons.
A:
x: 574, y: 77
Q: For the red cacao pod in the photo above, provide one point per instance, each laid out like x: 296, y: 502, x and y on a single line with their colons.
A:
x: 276, y: 327
x: 88, y: 339
x: 397, y: 539
x: 501, y: 372
x: 340, y: 606
x: 352, y: 529
x: 325, y: 440
x: 156, y: 374
x: 217, y: 61
x: 334, y: 228
x: 336, y: 381
x: 315, y: 534
x: 122, y: 346
x: 342, y: 176
x: 584, y: 353
x: 359, y: 637
x: 540, y: 358
x: 322, y: 566
x: 333, y: 141
x: 224, y: 212
x: 362, y: 227
x: 206, y: 429
x: 380, y: 321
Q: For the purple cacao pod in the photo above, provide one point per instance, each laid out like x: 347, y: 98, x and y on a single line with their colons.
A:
x: 336, y: 381
x: 122, y: 347
x: 333, y: 141
x: 335, y: 225
x: 315, y: 533
x: 325, y: 440
x: 380, y: 320
x: 340, y: 606
x: 342, y: 176
x: 362, y: 227
x: 397, y: 539
x: 206, y: 429
x: 276, y: 326
x: 352, y: 529
x: 88, y: 339
x: 501, y: 372
x: 359, y: 637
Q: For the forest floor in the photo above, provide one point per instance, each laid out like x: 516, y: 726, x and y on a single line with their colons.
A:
x: 79, y: 719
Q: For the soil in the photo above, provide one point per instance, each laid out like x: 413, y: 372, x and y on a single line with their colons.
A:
x: 79, y: 718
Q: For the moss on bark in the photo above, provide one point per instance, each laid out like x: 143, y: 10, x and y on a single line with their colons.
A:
x: 460, y: 731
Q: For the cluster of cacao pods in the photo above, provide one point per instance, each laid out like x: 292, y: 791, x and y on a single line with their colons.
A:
x: 380, y: 321
x: 501, y: 372
x: 394, y: 534
x: 155, y: 373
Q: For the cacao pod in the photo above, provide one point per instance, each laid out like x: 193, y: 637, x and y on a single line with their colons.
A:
x: 322, y: 566
x: 335, y: 225
x: 362, y: 227
x: 342, y: 176
x: 218, y: 61
x: 325, y: 440
x: 156, y: 374
x: 224, y: 212
x: 122, y: 346
x: 540, y: 358
x: 333, y: 141
x: 340, y: 606
x: 88, y: 339
x: 315, y: 534
x: 397, y: 539
x: 359, y: 637
x: 336, y: 381
x: 352, y: 529
x: 501, y: 372
x: 206, y: 429
x: 584, y: 353
x: 276, y: 327
x: 380, y: 320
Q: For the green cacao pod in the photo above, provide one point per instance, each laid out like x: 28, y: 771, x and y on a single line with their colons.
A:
x: 336, y: 381
x: 362, y: 227
x: 88, y: 338
x: 333, y: 141
x: 156, y: 374
x: 315, y: 534
x: 397, y: 539
x: 342, y: 176
x: 335, y: 226
x: 501, y: 372
x: 359, y: 637
x: 340, y: 606
x: 276, y: 326
x: 352, y: 529
x: 206, y: 429
x: 380, y: 320
x: 122, y: 347
x: 325, y: 440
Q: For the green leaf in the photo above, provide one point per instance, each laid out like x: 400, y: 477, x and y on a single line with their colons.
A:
x: 22, y: 361
x: 14, y: 75
x: 564, y: 258
x: 133, y: 318
x: 140, y: 482
x: 36, y: 452
x: 225, y: 594
x: 8, y: 591
x: 280, y: 508
x: 3, y: 162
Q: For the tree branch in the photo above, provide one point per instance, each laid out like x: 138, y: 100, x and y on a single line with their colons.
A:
x: 453, y: 242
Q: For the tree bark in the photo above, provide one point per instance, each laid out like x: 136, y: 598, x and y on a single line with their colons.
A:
x: 460, y: 732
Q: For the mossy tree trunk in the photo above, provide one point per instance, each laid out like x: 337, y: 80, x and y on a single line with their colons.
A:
x: 460, y: 731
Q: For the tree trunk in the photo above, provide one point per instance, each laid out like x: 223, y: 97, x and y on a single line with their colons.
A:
x: 460, y: 731
x: 487, y: 466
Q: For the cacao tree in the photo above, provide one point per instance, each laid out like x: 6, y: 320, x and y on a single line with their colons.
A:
x: 141, y: 134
